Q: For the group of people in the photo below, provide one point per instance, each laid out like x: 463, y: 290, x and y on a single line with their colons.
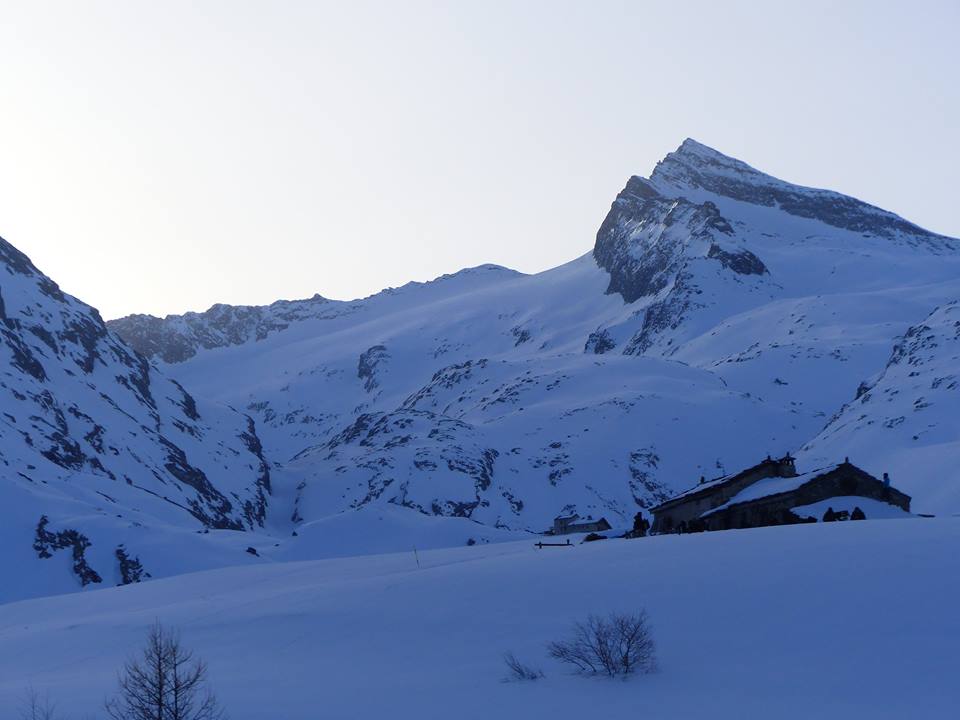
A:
x: 831, y: 516
x: 641, y: 526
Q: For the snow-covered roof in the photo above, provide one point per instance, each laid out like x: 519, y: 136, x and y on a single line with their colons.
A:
x: 771, y: 486
x: 591, y: 521
x: 716, y: 482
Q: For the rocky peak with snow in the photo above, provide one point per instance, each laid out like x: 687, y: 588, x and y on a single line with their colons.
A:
x: 647, y: 239
x: 95, y: 441
x: 695, y: 169
x: 179, y: 337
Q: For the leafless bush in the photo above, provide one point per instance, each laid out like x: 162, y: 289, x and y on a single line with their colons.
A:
x: 519, y: 671
x: 165, y: 682
x: 37, y: 707
x: 618, y: 644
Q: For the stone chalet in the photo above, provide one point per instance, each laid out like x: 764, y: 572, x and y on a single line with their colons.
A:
x: 566, y: 524
x: 767, y: 494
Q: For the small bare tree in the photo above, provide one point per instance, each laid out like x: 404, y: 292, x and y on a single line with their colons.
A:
x: 619, y: 644
x: 520, y: 671
x: 37, y: 707
x: 166, y: 682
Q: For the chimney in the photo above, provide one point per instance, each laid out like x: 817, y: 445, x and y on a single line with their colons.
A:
x: 786, y: 467
x: 702, y: 479
x: 886, y: 480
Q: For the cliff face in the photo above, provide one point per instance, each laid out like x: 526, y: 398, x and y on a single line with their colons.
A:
x: 94, y: 439
x: 647, y: 239
x: 178, y: 338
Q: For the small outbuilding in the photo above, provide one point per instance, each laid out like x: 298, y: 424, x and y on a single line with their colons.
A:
x: 567, y: 524
x: 768, y: 494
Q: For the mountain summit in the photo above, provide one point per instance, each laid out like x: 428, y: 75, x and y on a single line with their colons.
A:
x: 700, y: 171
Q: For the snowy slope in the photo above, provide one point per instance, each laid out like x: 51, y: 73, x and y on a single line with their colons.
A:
x: 104, y: 447
x: 722, y: 315
x: 835, y: 620
x: 474, y: 397
x: 913, y: 409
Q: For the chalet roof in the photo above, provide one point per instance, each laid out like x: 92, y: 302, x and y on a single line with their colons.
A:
x: 568, y: 518
x: 588, y: 520
x: 709, y: 486
x: 772, y: 486
x: 591, y: 521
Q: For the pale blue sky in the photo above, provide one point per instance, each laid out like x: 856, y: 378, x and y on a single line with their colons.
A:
x: 161, y: 157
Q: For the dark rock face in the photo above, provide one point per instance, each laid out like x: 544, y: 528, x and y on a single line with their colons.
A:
x: 210, y: 506
x: 743, y: 262
x: 646, y: 238
x: 177, y: 338
x: 153, y: 338
x: 255, y: 508
x: 521, y: 335
x: 599, y: 342
x: 79, y: 404
x: 446, y: 378
x: 631, y: 276
x: 663, y: 315
x: 371, y: 361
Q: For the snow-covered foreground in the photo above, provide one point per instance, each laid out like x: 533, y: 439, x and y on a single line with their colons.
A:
x: 853, y: 619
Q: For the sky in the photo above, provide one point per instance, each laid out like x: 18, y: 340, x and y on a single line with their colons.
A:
x: 162, y: 157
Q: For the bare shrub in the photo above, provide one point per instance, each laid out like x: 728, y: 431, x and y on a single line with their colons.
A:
x: 618, y: 644
x: 520, y: 671
x: 165, y: 682
x: 37, y: 707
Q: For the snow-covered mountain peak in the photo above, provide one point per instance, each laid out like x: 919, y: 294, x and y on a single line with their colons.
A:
x: 692, y: 148
x: 699, y: 172
x: 100, y: 453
